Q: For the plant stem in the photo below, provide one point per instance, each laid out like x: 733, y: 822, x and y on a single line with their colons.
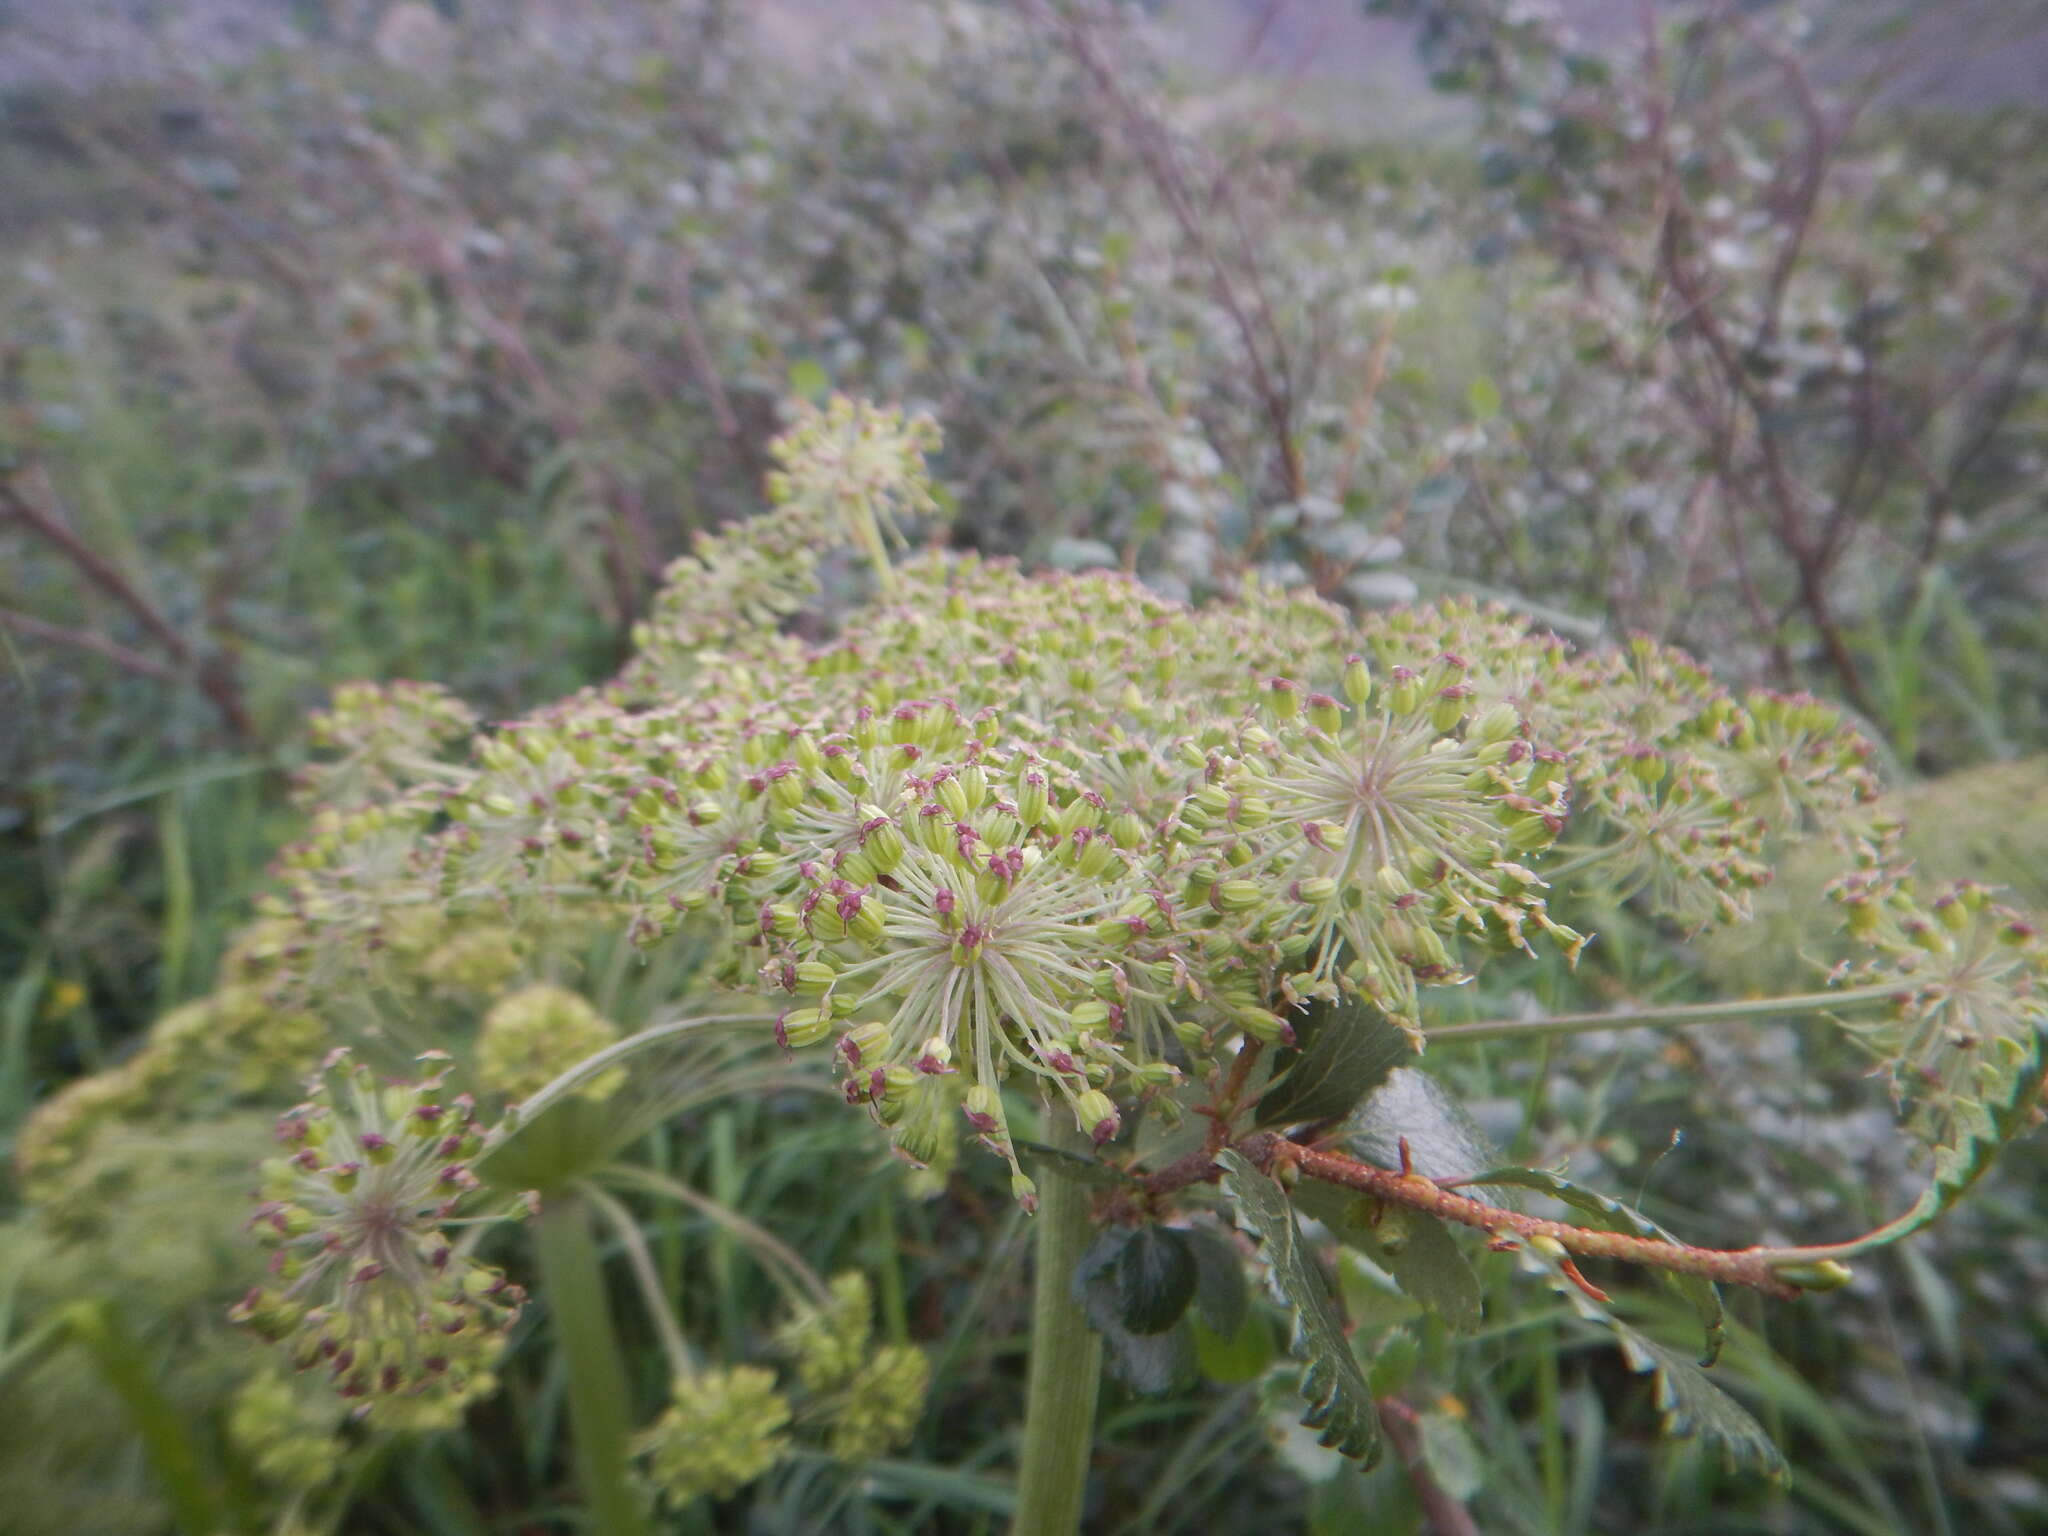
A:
x: 596, y: 1065
x: 1684, y: 1013
x: 785, y: 1266
x: 1066, y: 1354
x: 172, y: 1456
x: 574, y: 1282
x: 641, y: 1261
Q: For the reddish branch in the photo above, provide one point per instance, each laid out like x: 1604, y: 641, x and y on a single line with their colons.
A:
x: 1756, y: 1268
x: 1445, y: 1515
x: 1155, y: 148
x: 84, y: 640
x: 213, y: 676
x: 1746, y: 1266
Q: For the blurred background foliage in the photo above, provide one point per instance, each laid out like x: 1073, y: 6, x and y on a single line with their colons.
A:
x: 352, y: 340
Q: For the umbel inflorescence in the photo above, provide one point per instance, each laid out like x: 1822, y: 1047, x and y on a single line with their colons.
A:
x: 369, y: 1282
x: 999, y: 834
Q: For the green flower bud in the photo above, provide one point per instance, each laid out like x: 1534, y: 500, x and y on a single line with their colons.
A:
x: 1090, y: 1015
x: 1237, y: 895
x: 805, y: 1026
x: 1032, y: 800
x: 884, y: 843
x: 1496, y: 724
x: 1095, y: 1113
x: 1318, y: 890
x: 1357, y: 681
x: 1261, y: 1024
x: 864, y: 1045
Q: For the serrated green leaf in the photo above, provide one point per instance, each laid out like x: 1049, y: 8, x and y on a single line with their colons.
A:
x: 1690, y: 1404
x: 1155, y: 1279
x: 1221, y: 1295
x: 1609, y: 1214
x: 1414, y: 1247
x: 1484, y: 398
x: 1980, y: 1128
x: 1693, y: 1408
x: 1342, y: 1053
x: 1340, y: 1402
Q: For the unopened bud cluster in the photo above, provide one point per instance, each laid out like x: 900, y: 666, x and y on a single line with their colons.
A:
x: 289, y: 1436
x: 532, y: 1036
x: 721, y: 1430
x: 725, y: 1428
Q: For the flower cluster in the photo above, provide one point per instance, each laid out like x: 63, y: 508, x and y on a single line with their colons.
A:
x: 872, y: 1397
x: 1689, y: 793
x: 1064, y: 832
x: 289, y: 1437
x: 847, y: 475
x: 532, y: 1036
x: 368, y: 1285
x: 1972, y: 979
x: 229, y: 1047
x: 382, y: 737
x: 721, y: 1430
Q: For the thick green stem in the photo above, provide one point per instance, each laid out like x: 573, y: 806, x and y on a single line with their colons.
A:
x: 1684, y: 1013
x: 573, y: 1281
x: 172, y: 1456
x: 1066, y: 1354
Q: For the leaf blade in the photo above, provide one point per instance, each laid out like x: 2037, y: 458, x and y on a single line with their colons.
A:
x: 1341, y: 1406
x: 1344, y: 1053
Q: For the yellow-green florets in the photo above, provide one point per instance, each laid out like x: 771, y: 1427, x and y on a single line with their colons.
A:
x: 722, y: 1430
x: 532, y: 1036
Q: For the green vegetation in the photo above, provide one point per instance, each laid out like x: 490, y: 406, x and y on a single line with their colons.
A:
x: 1155, y: 934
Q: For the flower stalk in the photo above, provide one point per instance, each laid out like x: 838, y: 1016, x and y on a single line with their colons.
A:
x: 600, y: 1431
x: 1677, y: 1014
x: 1066, y: 1354
x: 172, y: 1455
